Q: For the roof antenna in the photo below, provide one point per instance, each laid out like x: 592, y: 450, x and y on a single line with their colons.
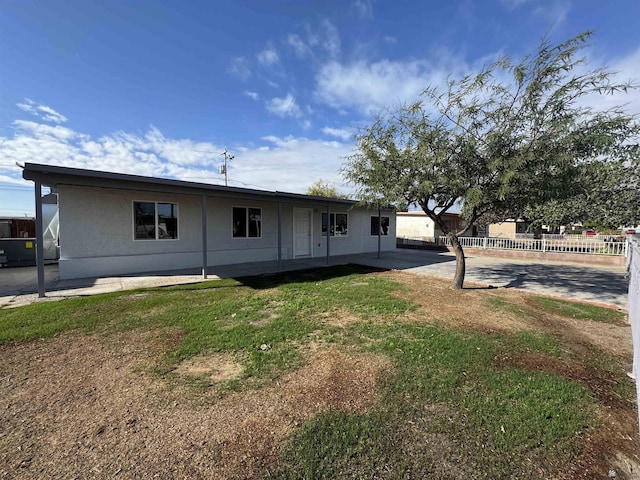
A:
x: 223, y: 168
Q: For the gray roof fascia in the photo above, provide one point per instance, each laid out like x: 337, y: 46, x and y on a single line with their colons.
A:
x: 52, y: 175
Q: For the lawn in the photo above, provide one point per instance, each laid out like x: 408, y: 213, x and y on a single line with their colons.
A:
x: 342, y: 372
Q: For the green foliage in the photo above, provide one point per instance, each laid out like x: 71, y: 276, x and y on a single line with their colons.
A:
x: 322, y: 188
x: 511, y: 141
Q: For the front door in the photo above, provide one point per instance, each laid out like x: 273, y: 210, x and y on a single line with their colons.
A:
x: 301, y: 232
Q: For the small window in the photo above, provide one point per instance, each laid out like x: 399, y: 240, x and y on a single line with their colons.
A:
x: 383, y: 229
x: 338, y: 225
x: 155, y: 221
x: 247, y: 222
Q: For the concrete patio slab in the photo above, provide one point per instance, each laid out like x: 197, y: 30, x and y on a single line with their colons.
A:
x: 597, y: 284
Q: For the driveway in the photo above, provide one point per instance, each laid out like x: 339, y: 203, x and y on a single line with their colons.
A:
x: 603, y: 285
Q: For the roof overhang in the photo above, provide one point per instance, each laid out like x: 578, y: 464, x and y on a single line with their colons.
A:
x: 53, y: 176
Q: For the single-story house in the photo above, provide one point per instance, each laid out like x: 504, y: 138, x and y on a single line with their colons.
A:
x: 112, y: 224
x: 508, y: 228
x: 417, y: 225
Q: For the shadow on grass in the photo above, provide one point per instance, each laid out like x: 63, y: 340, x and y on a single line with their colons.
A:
x: 260, y: 282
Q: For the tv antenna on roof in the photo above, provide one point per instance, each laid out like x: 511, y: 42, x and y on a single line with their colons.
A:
x: 223, y: 169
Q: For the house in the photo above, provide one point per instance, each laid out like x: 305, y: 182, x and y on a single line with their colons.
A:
x: 17, y: 236
x: 113, y: 224
x: 418, y: 226
x: 508, y: 228
x: 17, y: 227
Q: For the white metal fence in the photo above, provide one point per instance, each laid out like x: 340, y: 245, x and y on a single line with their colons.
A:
x: 580, y: 245
x: 633, y: 267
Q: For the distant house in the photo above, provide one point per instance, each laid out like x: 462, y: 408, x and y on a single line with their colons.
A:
x: 114, y: 224
x: 508, y: 228
x: 17, y: 227
x: 418, y: 226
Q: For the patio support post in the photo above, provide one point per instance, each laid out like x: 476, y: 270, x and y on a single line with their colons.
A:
x: 328, y: 232
x: 379, y: 231
x: 204, y: 237
x: 280, y: 235
x: 39, y: 239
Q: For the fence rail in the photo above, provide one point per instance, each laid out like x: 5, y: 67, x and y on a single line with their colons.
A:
x: 574, y: 237
x: 582, y: 246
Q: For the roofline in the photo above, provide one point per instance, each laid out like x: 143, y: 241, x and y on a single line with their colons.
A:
x: 57, y: 174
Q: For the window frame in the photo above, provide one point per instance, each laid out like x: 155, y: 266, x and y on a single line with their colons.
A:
x: 329, y: 224
x: 156, y: 220
x: 382, y: 217
x: 246, y: 224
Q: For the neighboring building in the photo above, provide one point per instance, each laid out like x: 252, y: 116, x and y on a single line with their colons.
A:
x: 418, y: 226
x: 508, y: 228
x: 17, y: 227
x: 113, y: 224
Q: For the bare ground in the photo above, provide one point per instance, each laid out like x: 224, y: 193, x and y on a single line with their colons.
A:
x: 87, y: 406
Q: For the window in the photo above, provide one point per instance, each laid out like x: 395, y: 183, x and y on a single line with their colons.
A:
x: 247, y: 222
x: 337, y: 224
x: 384, y: 229
x: 155, y: 221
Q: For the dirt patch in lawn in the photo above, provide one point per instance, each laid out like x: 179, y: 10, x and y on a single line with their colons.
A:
x: 217, y: 367
x: 471, y: 309
x: 82, y: 407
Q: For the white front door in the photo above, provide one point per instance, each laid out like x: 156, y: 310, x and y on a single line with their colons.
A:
x: 301, y: 232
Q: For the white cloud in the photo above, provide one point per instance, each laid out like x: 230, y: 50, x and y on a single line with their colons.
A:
x: 553, y: 11
x: 626, y: 68
x: 252, y: 95
x: 341, y: 133
x: 284, y: 107
x: 331, y: 40
x: 240, y: 68
x: 389, y: 40
x: 40, y: 130
x: 289, y: 164
x: 42, y: 111
x: 300, y: 48
x: 363, y: 9
x: 268, y: 56
x: 369, y: 87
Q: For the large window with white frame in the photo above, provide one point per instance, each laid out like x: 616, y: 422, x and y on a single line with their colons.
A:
x: 337, y: 224
x: 380, y: 226
x: 247, y: 222
x: 155, y: 221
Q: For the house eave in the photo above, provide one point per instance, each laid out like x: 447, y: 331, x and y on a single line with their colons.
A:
x: 53, y: 175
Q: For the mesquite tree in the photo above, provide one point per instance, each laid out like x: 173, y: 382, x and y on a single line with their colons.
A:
x: 497, y: 144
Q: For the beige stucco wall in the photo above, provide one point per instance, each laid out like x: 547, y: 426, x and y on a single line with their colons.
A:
x: 502, y: 230
x: 96, y: 233
x: 414, y: 225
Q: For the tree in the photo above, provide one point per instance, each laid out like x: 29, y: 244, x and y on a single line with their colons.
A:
x: 499, y: 144
x: 322, y: 188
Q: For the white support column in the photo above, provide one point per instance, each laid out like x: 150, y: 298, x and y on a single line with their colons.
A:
x: 39, y: 239
x: 379, y: 230
x: 328, y: 232
x: 280, y: 235
x: 204, y: 237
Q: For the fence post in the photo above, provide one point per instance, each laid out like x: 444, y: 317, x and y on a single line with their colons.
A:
x: 484, y: 243
x: 544, y: 245
x: 626, y: 248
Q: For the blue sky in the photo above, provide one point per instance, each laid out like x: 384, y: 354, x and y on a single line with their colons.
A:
x: 161, y: 88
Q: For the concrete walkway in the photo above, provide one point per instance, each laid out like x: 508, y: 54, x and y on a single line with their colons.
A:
x: 603, y: 285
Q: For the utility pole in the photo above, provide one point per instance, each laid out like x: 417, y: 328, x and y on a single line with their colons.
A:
x: 223, y: 169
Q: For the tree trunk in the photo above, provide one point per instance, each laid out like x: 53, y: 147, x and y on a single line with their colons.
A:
x: 458, y: 279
